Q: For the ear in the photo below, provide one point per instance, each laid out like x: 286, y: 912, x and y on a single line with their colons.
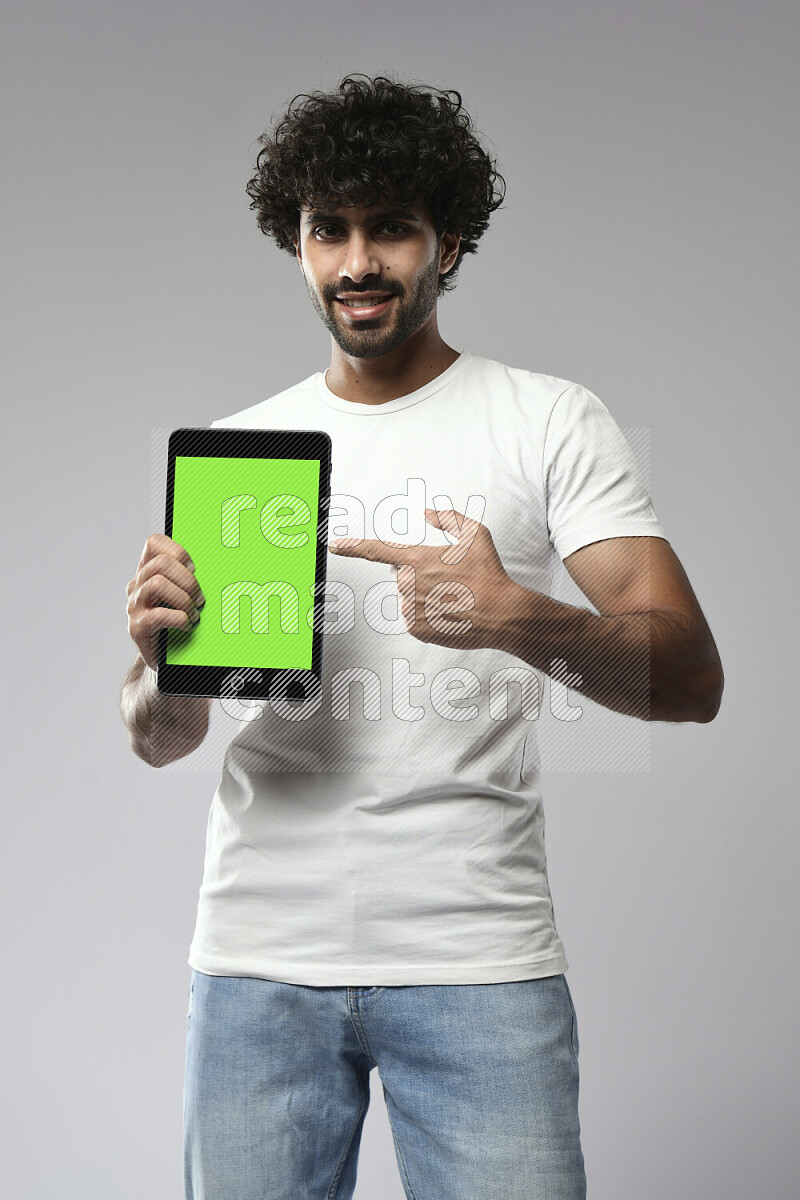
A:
x: 448, y: 251
x: 296, y: 241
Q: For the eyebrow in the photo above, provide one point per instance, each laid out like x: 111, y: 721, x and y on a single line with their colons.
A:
x: 389, y: 214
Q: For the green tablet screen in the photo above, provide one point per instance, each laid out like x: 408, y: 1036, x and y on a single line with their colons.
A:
x: 250, y: 527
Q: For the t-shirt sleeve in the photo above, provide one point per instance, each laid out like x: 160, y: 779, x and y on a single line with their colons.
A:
x: 593, y: 487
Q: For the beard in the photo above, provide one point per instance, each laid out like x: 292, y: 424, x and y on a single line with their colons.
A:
x: 369, y: 339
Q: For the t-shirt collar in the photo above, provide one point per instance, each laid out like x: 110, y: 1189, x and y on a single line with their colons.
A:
x: 373, y: 410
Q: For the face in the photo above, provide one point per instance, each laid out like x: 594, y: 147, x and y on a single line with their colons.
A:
x: 373, y: 273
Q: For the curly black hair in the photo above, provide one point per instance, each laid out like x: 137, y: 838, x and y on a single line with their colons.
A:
x: 376, y: 140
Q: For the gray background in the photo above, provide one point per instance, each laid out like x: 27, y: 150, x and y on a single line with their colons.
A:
x: 648, y: 249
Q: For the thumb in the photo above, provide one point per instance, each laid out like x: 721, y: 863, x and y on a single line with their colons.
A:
x: 447, y: 519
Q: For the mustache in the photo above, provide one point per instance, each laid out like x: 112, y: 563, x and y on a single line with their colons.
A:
x: 333, y: 293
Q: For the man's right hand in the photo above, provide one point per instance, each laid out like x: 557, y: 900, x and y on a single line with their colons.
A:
x: 163, y: 594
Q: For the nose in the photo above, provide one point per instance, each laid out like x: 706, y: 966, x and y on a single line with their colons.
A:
x: 360, y: 258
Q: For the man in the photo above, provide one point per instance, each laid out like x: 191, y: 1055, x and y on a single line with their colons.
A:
x: 375, y: 889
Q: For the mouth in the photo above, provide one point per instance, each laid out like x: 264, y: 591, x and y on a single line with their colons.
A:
x: 366, y: 305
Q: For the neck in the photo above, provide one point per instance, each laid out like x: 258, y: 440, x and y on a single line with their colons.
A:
x: 417, y: 361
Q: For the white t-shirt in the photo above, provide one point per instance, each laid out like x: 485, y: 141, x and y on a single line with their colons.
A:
x: 400, y: 841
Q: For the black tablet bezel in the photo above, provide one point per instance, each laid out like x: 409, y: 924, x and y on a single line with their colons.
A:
x: 251, y: 683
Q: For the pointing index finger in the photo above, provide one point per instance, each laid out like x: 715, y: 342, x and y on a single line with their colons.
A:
x: 396, y: 553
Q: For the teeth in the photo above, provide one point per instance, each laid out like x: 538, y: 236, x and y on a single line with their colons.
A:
x: 364, y: 303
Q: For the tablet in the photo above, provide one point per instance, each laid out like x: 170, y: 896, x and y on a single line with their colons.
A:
x: 250, y: 507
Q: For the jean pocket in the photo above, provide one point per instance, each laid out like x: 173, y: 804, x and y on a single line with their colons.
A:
x: 574, y: 1033
x: 191, y: 997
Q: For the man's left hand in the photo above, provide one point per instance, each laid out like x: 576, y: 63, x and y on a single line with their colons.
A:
x: 458, y: 595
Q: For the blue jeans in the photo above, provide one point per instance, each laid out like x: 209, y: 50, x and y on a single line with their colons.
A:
x: 480, y: 1083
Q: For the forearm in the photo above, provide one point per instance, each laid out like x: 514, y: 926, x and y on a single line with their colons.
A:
x: 656, y: 665
x: 160, y: 728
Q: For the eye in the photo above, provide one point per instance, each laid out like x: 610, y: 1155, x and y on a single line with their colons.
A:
x: 395, y: 226
x: 324, y: 231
